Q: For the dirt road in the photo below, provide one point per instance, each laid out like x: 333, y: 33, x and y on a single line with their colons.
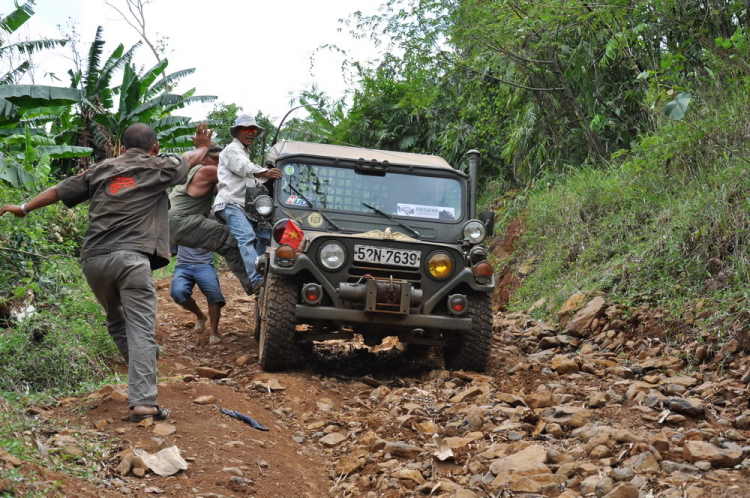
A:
x: 599, y: 409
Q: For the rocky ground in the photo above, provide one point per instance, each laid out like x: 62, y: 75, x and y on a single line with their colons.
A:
x: 599, y: 404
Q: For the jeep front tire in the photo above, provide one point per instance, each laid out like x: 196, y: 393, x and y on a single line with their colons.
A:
x: 278, y: 349
x: 470, y: 350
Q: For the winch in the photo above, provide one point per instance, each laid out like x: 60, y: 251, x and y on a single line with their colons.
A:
x: 383, y: 295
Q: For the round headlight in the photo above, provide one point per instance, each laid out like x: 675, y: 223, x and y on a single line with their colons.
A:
x: 440, y: 265
x: 477, y: 254
x: 332, y: 256
x: 263, y: 205
x: 474, y: 231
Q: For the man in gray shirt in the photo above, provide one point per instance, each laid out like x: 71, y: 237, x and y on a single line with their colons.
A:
x: 127, y: 238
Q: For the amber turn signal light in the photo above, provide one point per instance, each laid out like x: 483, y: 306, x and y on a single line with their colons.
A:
x: 483, y: 270
x: 285, y: 252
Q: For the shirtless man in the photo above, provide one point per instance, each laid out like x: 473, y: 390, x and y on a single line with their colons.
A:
x: 191, y: 223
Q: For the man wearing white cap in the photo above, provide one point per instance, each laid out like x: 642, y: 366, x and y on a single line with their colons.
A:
x: 236, y: 173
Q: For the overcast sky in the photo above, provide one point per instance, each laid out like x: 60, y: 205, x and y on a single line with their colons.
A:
x: 251, y: 53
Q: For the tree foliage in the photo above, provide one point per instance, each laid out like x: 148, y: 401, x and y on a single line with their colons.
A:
x: 537, y: 87
x: 91, y: 115
x: 222, y: 116
x: 9, y: 24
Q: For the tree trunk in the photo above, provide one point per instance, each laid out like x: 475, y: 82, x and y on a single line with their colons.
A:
x: 582, y: 118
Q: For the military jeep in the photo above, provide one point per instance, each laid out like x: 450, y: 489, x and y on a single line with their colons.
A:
x: 375, y: 243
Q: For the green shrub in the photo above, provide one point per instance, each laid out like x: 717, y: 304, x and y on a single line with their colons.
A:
x: 670, y: 219
x: 640, y: 232
x: 53, y: 235
x: 62, y: 345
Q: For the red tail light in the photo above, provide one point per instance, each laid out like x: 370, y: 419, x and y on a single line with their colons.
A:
x: 278, y: 230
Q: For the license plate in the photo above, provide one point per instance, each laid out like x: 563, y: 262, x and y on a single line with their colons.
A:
x: 386, y: 256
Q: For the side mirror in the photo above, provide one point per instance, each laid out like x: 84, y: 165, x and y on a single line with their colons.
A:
x: 488, y: 218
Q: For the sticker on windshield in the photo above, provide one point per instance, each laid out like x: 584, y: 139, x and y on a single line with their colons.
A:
x: 315, y: 220
x: 295, y: 200
x: 420, y: 211
x: 288, y: 170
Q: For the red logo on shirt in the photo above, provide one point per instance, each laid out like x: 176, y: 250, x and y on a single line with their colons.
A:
x: 120, y: 182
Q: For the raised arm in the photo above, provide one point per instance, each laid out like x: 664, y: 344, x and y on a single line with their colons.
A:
x: 202, y: 141
x: 46, y: 198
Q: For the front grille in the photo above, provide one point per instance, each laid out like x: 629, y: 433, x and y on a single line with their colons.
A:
x: 383, y: 272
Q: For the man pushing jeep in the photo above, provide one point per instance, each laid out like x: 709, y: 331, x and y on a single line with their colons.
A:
x: 191, y: 223
x: 236, y: 174
x: 125, y: 240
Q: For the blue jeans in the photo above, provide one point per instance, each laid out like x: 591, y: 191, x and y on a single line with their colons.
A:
x: 251, y: 240
x: 185, y: 278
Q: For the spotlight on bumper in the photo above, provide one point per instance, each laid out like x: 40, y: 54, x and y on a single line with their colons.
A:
x: 458, y: 304
x: 312, y: 293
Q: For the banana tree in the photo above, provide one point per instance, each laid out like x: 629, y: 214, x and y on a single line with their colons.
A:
x: 78, y: 125
x: 26, y: 150
x: 9, y: 25
x: 106, y: 110
x: 143, y: 99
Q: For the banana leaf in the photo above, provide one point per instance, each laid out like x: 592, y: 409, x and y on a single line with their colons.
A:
x: 183, y: 143
x: 31, y: 96
x: 34, y: 138
x: 176, y: 132
x: 169, y: 122
x: 129, y: 93
x: 8, y: 113
x: 17, y: 18
x: 148, y: 78
x: 14, y: 174
x: 7, y: 132
x: 64, y: 151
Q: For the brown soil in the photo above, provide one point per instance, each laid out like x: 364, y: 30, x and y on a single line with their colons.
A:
x: 503, y: 247
x: 210, y: 441
x: 277, y: 465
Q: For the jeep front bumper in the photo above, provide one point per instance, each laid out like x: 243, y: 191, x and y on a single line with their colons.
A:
x: 358, y: 317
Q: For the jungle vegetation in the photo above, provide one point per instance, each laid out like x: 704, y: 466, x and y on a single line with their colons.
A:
x: 615, y: 132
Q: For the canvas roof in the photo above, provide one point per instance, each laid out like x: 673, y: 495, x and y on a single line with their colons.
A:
x: 291, y: 148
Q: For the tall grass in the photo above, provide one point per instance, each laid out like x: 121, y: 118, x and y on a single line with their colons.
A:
x: 63, y: 342
x: 57, y: 348
x: 670, y: 219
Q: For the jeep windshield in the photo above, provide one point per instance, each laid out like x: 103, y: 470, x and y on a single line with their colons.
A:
x: 340, y: 188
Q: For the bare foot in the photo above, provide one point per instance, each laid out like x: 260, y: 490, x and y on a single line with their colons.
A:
x: 200, y: 324
x: 214, y: 339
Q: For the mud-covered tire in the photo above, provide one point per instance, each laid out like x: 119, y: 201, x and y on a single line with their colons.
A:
x: 471, y: 349
x: 256, y: 323
x: 277, y: 347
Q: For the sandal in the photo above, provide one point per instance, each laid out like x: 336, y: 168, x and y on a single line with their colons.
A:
x: 161, y: 414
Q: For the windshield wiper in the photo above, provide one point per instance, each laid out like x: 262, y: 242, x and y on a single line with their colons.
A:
x: 383, y: 213
x: 310, y: 205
